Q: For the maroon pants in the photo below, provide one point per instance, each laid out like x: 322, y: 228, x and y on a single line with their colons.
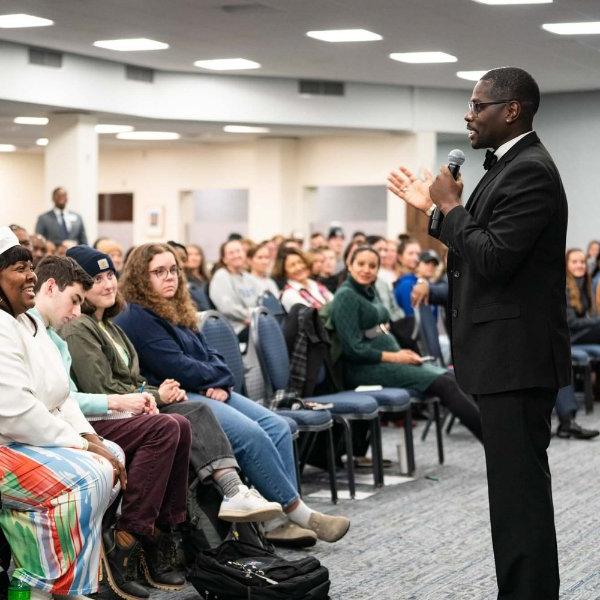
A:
x: 157, y: 454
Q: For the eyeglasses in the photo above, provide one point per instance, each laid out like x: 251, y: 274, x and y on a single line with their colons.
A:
x: 161, y: 272
x: 477, y: 107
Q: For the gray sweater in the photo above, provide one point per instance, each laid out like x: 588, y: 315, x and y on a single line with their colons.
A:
x: 234, y: 296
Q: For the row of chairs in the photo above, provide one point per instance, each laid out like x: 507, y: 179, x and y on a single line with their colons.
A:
x: 269, y: 342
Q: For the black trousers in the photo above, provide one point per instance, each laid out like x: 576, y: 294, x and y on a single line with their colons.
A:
x: 516, y: 435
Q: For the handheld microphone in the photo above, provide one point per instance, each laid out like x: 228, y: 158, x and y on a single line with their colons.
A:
x: 456, y: 158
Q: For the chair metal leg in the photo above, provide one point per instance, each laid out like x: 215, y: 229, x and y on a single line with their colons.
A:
x: 438, y: 431
x: 427, y: 425
x: 349, y: 454
x: 409, y: 442
x: 377, y: 452
x: 587, y: 389
x: 331, y: 466
x: 297, y: 465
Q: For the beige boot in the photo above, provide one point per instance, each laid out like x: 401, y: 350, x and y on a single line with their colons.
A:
x: 292, y: 535
x: 328, y: 528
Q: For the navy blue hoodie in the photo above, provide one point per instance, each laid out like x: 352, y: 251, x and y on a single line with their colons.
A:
x: 173, y: 351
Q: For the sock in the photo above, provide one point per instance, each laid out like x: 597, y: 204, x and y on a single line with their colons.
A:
x: 300, y: 515
x: 229, y: 484
x: 274, y: 523
x: 124, y: 539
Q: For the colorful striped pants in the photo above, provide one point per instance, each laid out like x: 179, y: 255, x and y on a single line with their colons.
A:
x: 53, y: 500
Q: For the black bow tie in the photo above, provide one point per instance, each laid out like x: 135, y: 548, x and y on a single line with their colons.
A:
x: 490, y: 160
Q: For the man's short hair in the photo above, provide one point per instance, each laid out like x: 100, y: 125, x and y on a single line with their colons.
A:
x: 512, y: 83
x: 64, y: 270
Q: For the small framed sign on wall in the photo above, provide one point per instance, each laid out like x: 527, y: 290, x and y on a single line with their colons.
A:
x: 156, y: 221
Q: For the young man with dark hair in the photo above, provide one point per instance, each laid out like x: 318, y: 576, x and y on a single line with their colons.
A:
x: 510, y: 340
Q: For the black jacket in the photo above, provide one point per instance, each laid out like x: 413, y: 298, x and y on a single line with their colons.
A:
x: 506, y: 270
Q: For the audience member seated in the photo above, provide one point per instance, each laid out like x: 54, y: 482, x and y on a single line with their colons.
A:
x: 335, y: 240
x: 582, y: 316
x: 129, y: 417
x: 39, y: 248
x: 317, y: 240
x: 424, y: 271
x: 408, y: 256
x: 162, y: 325
x: 232, y: 289
x: 328, y: 276
x: 197, y: 276
x: 359, y: 238
x: 316, y: 259
x: 566, y: 409
x: 52, y: 465
x: 371, y: 356
x: 261, y: 264
x: 592, y: 255
x: 293, y: 268
x: 114, y: 250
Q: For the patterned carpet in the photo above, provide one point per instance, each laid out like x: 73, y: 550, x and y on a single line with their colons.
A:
x: 429, y: 539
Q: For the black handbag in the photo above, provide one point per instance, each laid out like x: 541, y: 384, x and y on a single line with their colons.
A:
x: 236, y: 570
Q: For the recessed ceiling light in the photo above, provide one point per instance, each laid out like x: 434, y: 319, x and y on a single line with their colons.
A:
x: 31, y: 120
x: 245, y: 129
x: 131, y: 44
x: 148, y: 135
x: 227, y: 64
x: 471, y: 75
x: 7, y: 148
x: 106, y: 128
x: 21, y: 20
x: 584, y: 28
x: 41, y: 142
x: 344, y: 35
x: 423, y: 57
x: 498, y: 2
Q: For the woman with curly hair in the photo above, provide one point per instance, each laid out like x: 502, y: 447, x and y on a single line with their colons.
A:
x: 161, y: 322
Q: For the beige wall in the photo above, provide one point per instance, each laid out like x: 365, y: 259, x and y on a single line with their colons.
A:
x: 278, y: 174
x: 22, y: 189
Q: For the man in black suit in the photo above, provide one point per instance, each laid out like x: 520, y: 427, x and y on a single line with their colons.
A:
x: 59, y: 224
x: 510, y: 341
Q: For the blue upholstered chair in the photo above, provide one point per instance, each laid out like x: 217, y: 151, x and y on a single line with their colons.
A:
x: 273, y: 356
x: 220, y: 335
x: 273, y: 305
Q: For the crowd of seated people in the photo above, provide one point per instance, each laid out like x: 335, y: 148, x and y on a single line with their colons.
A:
x: 105, y: 378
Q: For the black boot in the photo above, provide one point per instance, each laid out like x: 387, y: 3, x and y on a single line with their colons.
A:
x: 121, y: 567
x: 158, y: 561
x: 568, y: 428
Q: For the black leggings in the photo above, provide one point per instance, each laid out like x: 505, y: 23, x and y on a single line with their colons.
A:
x: 457, y: 402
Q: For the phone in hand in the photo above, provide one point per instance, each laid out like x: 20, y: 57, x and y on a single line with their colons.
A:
x: 426, y: 359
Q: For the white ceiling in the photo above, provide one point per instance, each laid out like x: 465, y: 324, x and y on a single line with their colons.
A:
x: 272, y: 32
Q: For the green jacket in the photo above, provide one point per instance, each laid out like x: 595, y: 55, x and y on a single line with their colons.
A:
x: 97, y: 366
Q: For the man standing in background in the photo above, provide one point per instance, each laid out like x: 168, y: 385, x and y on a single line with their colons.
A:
x: 60, y: 224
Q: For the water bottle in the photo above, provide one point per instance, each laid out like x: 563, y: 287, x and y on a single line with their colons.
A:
x: 402, y: 456
x: 18, y: 590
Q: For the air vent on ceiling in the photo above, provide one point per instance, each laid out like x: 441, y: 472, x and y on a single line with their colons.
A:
x: 245, y: 8
x: 139, y: 73
x: 45, y: 58
x: 314, y: 87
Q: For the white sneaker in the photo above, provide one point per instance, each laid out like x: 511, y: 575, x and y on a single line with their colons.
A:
x: 248, y: 505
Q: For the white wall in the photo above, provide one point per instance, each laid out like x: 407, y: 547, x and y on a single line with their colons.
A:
x: 569, y: 127
x: 22, y: 189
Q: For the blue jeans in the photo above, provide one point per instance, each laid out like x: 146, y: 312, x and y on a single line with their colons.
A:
x: 262, y: 444
x: 566, y: 404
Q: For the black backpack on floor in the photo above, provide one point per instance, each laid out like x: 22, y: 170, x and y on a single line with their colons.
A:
x: 237, y: 570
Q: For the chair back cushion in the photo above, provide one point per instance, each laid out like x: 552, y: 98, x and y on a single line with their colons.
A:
x: 271, y: 349
x: 220, y: 336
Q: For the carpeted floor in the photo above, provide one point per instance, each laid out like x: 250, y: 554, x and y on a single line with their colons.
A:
x: 429, y: 539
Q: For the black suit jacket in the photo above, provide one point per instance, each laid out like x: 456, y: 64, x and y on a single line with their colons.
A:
x: 506, y: 269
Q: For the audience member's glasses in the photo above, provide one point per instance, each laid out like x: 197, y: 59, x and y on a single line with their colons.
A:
x: 161, y: 272
x: 477, y: 107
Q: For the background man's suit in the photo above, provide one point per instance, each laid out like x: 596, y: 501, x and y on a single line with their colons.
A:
x: 510, y: 346
x: 48, y: 225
